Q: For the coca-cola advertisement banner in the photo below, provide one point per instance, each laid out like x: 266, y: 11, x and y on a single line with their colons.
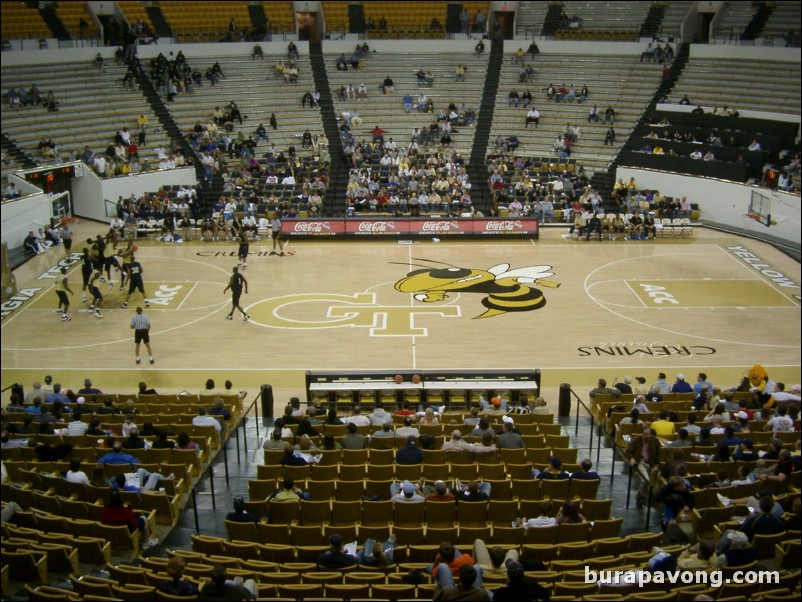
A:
x: 526, y: 226
x: 376, y: 227
x: 312, y: 227
x: 411, y: 227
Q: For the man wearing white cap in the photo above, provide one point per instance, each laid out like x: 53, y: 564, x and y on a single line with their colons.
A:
x: 680, y: 386
x: 735, y: 550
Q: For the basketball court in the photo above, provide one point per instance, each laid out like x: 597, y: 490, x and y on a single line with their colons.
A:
x: 577, y: 310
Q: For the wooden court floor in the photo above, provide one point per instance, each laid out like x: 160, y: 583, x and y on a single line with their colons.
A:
x: 576, y: 310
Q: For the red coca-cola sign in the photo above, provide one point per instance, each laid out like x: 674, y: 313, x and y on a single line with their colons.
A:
x: 375, y: 227
x: 437, y: 227
x: 505, y: 226
x: 303, y: 227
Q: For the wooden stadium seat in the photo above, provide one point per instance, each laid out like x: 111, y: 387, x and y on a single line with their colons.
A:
x: 643, y: 542
x: 321, y: 490
x: 283, y: 512
x: 207, y: 545
x: 409, y: 472
x: 347, y: 532
x: 468, y: 535
x: 354, y: 456
x: 512, y: 456
x: 434, y: 536
x: 348, y: 591
x: 555, y: 489
x: 306, y: 536
x: 605, y: 529
x: 87, y: 585
x: 438, y: 514
x: 578, y: 532
x: 127, y: 575
x: 594, y: 510
x: 377, y: 513
x: 276, y: 553
x: 314, y: 512
x: 408, y: 515
x: 463, y: 472
x: 346, y: 512
x: 351, y: 472
x: 704, y: 523
x: 349, y: 490
x: 764, y: 544
x: 309, y: 554
x: 541, y: 535
x: 133, y: 592
x: 241, y: 550
x: 46, y: 592
x: 242, y: 531
x: 472, y: 514
x: 584, y: 488
x: 460, y: 457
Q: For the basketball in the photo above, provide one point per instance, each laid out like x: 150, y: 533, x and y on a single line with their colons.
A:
x: 135, y: 248
x: 398, y: 379
x: 415, y: 378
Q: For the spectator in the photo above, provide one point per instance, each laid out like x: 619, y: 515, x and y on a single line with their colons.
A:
x: 220, y: 588
x: 115, y: 514
x: 335, y: 558
x: 353, y: 440
x: 517, y: 589
x: 177, y: 586
x: 410, y: 453
x: 469, y: 588
x: 405, y: 493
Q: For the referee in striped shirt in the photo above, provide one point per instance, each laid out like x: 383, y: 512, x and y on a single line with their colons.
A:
x: 140, y: 324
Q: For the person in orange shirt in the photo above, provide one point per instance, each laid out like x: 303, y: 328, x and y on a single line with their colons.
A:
x: 450, y: 556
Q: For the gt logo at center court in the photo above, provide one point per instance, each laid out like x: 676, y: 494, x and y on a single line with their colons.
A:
x: 322, y: 310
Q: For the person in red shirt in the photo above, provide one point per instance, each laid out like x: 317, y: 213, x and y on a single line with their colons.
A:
x: 452, y: 558
x: 116, y: 514
x: 404, y: 411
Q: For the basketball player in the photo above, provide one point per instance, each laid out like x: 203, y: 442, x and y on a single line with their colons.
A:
x: 140, y: 324
x: 236, y: 284
x: 275, y: 228
x: 126, y: 255
x: 135, y: 281
x: 244, y: 247
x: 99, y: 245
x: 62, y: 288
x: 97, y: 296
x: 86, y: 271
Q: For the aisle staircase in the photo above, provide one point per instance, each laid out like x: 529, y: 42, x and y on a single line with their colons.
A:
x: 334, y: 203
x: 206, y: 196
x: 159, y: 22
x: 49, y: 16
x: 19, y: 155
x: 480, y: 189
x: 603, y: 181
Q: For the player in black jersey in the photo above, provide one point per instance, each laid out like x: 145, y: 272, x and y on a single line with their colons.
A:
x: 86, y: 271
x: 236, y: 284
x: 135, y: 282
x: 244, y: 247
